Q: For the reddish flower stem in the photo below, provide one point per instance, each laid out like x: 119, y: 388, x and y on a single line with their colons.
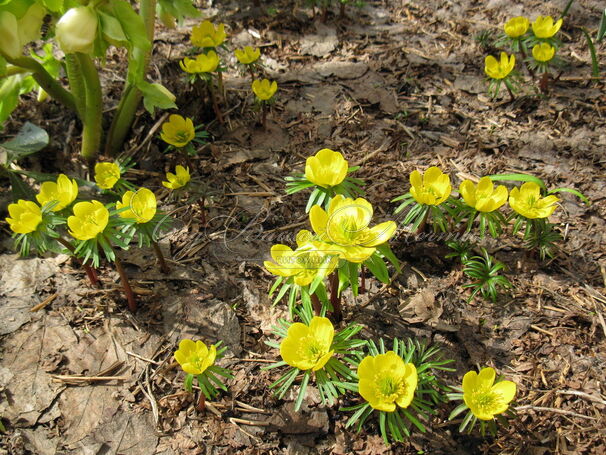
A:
x: 335, y: 298
x: 130, y: 296
x: 213, y: 99
x: 316, y: 304
x: 362, y: 289
x: 90, y: 272
x: 163, y: 266
x: 264, y: 116
x: 201, y: 406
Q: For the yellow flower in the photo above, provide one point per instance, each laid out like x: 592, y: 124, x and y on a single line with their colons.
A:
x: 178, y: 131
x: 484, y: 398
x: 326, y: 168
x: 309, y: 260
x: 483, y: 197
x: 179, y: 179
x: 527, y: 201
x: 206, y: 35
x: 499, y: 69
x: 345, y: 227
x: 386, y: 380
x: 195, y: 357
x: 106, y: 175
x: 247, y: 55
x: 25, y: 216
x: 308, y: 347
x: 264, y: 89
x: 88, y: 221
x: 203, y: 63
x: 432, y: 188
x: 516, y: 26
x: 141, y: 205
x: 64, y: 191
x: 543, y: 52
x: 543, y: 27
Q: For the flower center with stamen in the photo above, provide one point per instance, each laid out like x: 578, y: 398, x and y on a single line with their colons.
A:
x: 390, y: 388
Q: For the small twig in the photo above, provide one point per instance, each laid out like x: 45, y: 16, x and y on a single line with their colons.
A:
x: 251, y: 408
x: 256, y: 360
x: 137, y: 356
x: 539, y: 329
x: 582, y: 395
x: 557, y: 411
x: 75, y: 379
x: 255, y: 423
x: 47, y: 301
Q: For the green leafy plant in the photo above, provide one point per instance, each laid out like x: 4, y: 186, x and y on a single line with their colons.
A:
x: 485, y: 270
x: 83, y: 32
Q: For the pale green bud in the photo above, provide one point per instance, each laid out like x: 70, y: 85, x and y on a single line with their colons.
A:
x: 76, y: 30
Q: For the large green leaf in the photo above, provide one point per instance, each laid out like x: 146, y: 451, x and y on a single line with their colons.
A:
x: 21, y: 190
x: 179, y: 9
x: 132, y: 24
x: 30, y: 139
x: 154, y: 97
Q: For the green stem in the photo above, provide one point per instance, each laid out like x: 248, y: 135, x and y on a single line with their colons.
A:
x: 131, y: 96
x: 46, y: 81
x: 76, y: 83
x: 91, y: 131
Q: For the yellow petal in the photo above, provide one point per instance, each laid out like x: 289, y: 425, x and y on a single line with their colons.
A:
x: 410, y: 379
x: 486, y: 378
x: 318, y: 219
x: 470, y: 381
x: 322, y: 329
x: 380, y: 234
x: 416, y: 181
x: 506, y: 391
x: 468, y: 190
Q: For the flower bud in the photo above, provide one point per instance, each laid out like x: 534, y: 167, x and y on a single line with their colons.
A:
x: 76, y: 30
x: 10, y: 45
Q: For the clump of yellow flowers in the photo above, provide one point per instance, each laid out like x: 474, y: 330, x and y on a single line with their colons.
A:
x: 88, y: 229
x: 536, y: 42
x: 483, y: 399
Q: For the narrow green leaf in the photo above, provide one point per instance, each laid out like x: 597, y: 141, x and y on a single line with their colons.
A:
x: 577, y: 193
x: 302, y: 390
x: 517, y: 178
x: 595, y: 66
